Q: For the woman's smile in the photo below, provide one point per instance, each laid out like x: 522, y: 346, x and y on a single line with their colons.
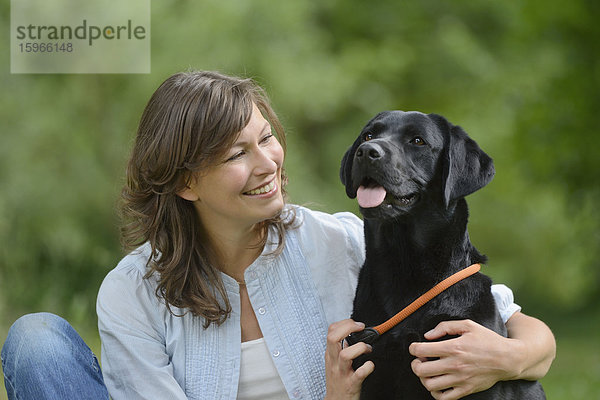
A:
x: 267, y: 190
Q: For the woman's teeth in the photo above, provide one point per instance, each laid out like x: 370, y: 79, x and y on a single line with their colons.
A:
x: 264, y: 189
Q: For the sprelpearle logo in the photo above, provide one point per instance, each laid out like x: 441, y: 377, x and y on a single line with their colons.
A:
x: 75, y: 36
x: 84, y: 31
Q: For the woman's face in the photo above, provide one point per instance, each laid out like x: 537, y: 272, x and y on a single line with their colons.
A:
x: 244, y: 188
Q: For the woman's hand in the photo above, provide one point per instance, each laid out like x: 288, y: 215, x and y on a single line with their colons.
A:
x: 470, y: 363
x: 342, y: 381
x: 479, y: 357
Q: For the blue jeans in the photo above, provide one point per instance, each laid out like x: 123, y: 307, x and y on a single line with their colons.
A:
x: 44, y: 358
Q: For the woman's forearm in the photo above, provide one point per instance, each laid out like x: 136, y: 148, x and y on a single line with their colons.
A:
x: 534, y: 347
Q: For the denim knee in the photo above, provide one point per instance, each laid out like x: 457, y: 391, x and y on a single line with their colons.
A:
x: 45, y: 358
x: 33, y: 336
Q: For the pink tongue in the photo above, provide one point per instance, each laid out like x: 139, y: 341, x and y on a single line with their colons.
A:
x: 370, y: 197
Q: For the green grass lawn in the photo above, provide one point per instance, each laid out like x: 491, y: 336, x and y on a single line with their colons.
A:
x: 575, y: 374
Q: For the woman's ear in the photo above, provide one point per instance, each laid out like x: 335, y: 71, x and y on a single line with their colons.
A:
x: 188, y: 194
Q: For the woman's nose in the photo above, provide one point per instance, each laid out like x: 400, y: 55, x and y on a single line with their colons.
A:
x: 266, y: 162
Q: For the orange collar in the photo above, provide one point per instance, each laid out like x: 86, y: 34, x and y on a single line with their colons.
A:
x: 369, y: 335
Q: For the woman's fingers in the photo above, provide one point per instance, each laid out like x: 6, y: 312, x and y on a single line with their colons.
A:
x: 426, y: 350
x: 338, y: 331
x: 438, y: 382
x: 425, y: 369
x: 343, y: 382
x: 364, y: 371
x: 441, y: 387
x: 350, y: 353
x: 445, y: 328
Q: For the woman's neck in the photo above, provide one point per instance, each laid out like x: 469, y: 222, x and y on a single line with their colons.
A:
x: 237, y: 249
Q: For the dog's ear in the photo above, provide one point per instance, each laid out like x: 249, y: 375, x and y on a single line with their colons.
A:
x: 465, y: 167
x: 346, y: 168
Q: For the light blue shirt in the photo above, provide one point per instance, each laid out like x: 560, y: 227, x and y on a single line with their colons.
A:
x: 149, y: 353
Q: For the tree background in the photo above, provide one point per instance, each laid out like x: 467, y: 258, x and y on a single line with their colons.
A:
x: 522, y: 78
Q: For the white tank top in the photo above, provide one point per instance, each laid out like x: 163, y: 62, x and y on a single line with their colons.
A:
x: 259, y: 379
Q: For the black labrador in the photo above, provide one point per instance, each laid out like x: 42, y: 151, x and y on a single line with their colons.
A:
x: 410, y: 172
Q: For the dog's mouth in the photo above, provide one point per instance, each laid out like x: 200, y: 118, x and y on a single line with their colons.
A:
x: 371, y: 194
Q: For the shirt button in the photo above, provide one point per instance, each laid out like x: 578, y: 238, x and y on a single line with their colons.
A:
x: 297, y: 394
x: 276, y: 353
x: 262, y: 311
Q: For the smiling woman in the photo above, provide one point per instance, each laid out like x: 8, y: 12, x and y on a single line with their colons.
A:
x: 203, y: 144
x: 224, y: 262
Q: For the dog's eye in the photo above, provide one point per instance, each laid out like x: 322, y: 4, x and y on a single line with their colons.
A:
x: 418, y: 141
x: 367, y: 136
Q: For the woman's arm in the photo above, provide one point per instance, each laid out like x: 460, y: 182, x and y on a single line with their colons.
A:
x: 135, y: 363
x: 537, y: 346
x: 479, y: 357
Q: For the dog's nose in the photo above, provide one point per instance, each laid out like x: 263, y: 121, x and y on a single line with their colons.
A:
x: 370, y: 150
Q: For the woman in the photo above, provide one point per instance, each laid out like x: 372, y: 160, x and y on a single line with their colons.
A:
x: 232, y: 293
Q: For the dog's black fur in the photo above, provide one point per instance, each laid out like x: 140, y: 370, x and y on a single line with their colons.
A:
x: 416, y: 238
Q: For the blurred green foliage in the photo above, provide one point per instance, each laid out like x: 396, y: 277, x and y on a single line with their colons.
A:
x: 522, y: 78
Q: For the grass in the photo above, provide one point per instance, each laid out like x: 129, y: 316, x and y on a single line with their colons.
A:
x: 575, y: 374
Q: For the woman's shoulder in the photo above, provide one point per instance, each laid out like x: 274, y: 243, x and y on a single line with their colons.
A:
x: 129, y: 276
x: 320, y: 229
x: 135, y: 263
x: 340, y: 220
x: 128, y: 307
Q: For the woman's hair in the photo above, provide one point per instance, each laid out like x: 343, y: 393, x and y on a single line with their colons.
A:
x: 189, y: 123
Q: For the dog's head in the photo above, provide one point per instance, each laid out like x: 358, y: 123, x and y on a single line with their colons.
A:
x: 401, y: 160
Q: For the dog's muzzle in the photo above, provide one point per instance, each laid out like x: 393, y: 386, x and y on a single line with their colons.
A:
x: 371, y: 152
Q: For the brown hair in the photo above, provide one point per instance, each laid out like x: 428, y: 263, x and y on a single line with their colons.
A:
x: 189, y: 123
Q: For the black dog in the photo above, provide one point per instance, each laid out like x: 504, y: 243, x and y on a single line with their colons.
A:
x: 411, y: 172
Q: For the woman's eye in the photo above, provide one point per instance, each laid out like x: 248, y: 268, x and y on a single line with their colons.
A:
x: 367, y: 136
x: 235, y: 156
x: 267, y: 138
x: 418, y: 141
